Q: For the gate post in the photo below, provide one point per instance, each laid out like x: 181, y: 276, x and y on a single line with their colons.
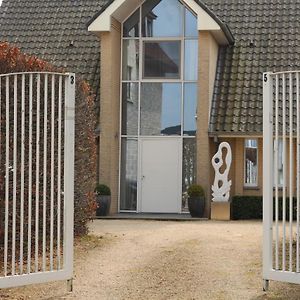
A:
x: 69, y: 176
x: 267, y: 176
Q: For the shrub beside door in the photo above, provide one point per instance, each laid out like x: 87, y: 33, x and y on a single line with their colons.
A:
x: 196, y: 200
x: 103, y: 195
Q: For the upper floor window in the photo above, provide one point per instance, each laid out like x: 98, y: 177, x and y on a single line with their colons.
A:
x: 162, y: 59
x: 131, y: 27
x: 160, y: 70
x: 162, y: 18
x: 251, y: 163
x: 166, y: 42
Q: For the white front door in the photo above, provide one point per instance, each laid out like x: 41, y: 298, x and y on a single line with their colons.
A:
x: 160, y: 171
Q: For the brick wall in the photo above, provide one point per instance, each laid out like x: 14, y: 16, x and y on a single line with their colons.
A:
x: 110, y: 110
x: 205, y: 147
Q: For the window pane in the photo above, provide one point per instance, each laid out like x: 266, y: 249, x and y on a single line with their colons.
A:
x: 251, y: 162
x: 130, y: 60
x: 162, y: 18
x: 190, y: 109
x: 129, y: 158
x: 162, y: 59
x: 251, y: 143
x: 130, y: 104
x: 191, y: 60
x: 189, y: 168
x: 161, y: 109
x: 191, y: 29
x: 131, y: 26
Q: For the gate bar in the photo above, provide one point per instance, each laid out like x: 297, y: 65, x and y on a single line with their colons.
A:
x: 13, y: 260
x: 276, y: 146
x: 37, y: 172
x: 284, y: 172
x: 7, y: 120
x: 59, y: 172
x: 45, y: 170
x: 30, y: 175
x: 22, y: 173
x: 52, y: 170
x: 291, y: 175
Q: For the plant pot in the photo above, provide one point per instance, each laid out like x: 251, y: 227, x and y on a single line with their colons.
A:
x: 103, y: 203
x: 196, y: 206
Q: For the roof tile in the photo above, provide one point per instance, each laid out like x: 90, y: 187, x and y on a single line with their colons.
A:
x: 273, y: 28
x: 55, y: 30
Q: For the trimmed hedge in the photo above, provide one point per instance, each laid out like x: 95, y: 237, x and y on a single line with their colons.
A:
x: 251, y: 208
x: 246, y: 208
x: 13, y: 60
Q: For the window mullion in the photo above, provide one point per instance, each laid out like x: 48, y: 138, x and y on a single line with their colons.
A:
x: 140, y: 72
x: 182, y: 66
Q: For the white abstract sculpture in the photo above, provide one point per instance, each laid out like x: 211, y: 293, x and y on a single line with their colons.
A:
x: 221, y: 186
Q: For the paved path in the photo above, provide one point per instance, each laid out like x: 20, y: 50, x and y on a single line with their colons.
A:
x: 165, y: 260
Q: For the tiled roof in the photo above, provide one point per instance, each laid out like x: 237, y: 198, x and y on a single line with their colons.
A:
x: 267, y: 38
x: 266, y: 33
x: 55, y: 30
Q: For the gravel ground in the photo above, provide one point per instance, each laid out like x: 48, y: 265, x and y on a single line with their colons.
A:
x: 126, y: 259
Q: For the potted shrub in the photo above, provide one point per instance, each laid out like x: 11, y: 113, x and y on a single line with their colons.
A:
x: 103, y: 196
x: 196, y: 200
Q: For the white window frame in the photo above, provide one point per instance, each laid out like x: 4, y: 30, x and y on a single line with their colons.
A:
x: 250, y: 185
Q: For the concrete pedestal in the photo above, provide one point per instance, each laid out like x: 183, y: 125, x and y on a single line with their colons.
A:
x: 221, y: 211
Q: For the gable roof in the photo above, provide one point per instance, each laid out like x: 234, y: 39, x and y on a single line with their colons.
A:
x: 120, y: 9
x: 55, y: 30
x: 267, y: 38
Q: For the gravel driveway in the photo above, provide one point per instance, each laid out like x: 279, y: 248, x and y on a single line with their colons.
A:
x: 165, y: 260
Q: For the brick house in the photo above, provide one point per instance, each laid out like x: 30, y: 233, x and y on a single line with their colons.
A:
x: 177, y: 78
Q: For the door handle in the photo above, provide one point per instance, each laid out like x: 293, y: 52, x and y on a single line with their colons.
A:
x: 143, y: 177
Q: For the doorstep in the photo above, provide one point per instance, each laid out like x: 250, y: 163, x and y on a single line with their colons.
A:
x: 157, y: 217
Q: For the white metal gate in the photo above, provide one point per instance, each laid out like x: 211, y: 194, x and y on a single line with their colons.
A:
x: 36, y: 177
x: 281, y: 175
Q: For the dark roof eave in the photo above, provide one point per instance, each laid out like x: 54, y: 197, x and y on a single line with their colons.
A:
x: 225, y: 28
x: 99, y: 13
x: 234, y: 134
x: 228, y: 34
